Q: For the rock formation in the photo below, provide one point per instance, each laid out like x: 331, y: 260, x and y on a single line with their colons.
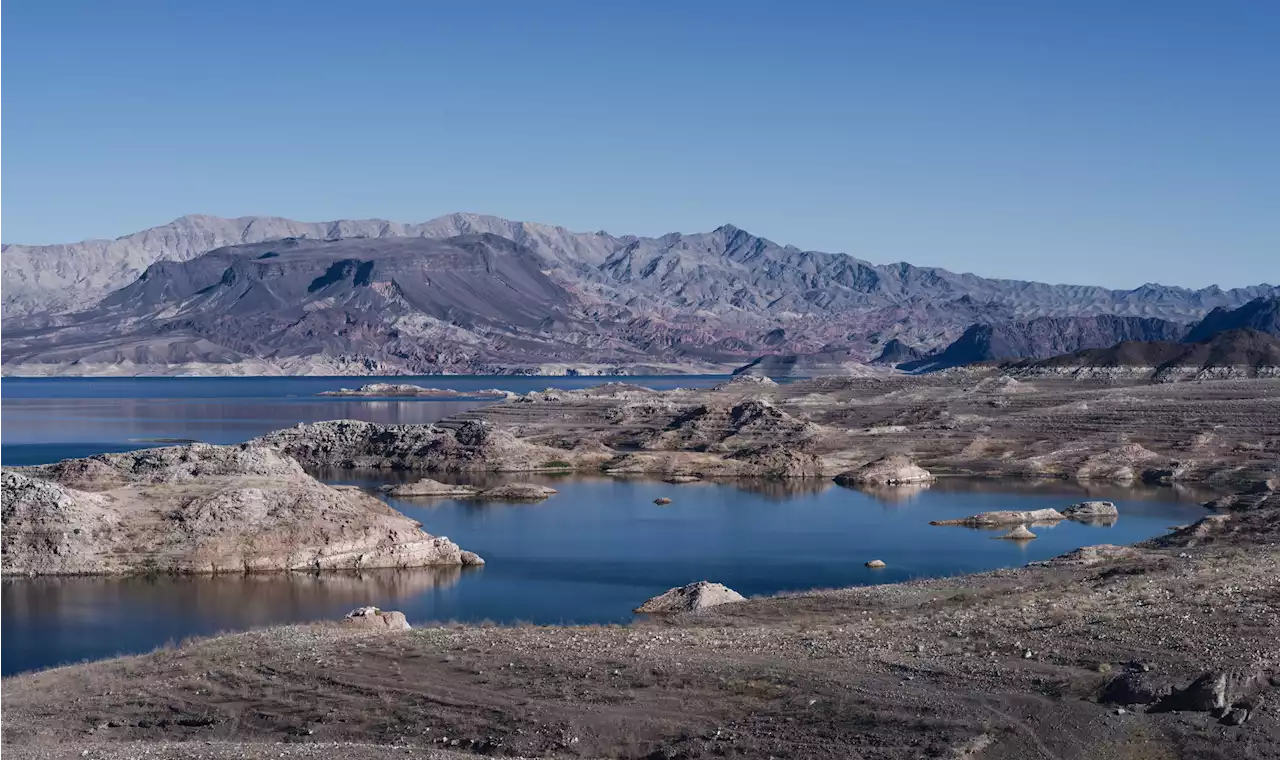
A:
x: 474, y: 446
x: 895, y: 469
x: 1091, y: 510
x: 999, y: 518
x: 516, y: 492
x: 1019, y: 533
x: 691, y: 598
x: 201, y: 509
x: 429, y: 487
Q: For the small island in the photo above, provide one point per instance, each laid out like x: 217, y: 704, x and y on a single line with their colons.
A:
x: 416, y: 391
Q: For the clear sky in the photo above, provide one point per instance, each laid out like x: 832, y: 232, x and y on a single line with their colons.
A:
x: 1086, y: 141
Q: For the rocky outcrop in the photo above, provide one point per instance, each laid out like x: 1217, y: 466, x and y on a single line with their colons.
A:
x: 1263, y: 495
x: 473, y: 446
x: 375, y: 619
x: 999, y: 518
x: 895, y: 469
x: 516, y: 492
x: 1095, y: 555
x: 721, y: 427
x: 1092, y: 511
x: 1020, y: 533
x: 168, y: 465
x: 181, y: 518
x: 691, y: 598
x: 1123, y: 464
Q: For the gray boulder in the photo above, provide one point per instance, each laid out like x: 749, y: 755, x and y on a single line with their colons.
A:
x: 375, y: 619
x: 691, y: 598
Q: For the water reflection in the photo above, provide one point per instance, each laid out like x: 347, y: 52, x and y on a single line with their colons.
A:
x: 48, y: 621
x: 892, y: 495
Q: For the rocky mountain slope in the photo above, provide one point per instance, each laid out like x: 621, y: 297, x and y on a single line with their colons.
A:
x: 1044, y: 337
x: 1261, y: 314
x: 1236, y: 353
x: 160, y: 299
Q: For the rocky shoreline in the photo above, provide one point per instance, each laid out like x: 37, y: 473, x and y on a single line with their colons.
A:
x: 868, y: 432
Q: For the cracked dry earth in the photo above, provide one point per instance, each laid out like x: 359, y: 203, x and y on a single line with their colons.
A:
x: 1014, y: 664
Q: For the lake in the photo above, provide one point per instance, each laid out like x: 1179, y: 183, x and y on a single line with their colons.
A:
x: 47, y: 419
x: 589, y: 554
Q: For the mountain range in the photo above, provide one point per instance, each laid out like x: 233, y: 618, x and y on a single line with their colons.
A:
x: 472, y: 293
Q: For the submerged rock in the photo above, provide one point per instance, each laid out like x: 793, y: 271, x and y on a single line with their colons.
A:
x: 681, y: 479
x: 895, y: 469
x: 375, y: 619
x: 691, y: 598
x: 995, y: 519
x: 662, y: 501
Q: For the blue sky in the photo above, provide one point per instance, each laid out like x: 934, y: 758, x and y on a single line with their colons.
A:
x: 1098, y: 142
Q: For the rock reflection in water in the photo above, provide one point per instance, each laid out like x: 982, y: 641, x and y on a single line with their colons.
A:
x: 48, y: 621
x: 892, y: 495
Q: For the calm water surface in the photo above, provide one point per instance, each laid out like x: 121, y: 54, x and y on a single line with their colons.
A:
x: 587, y: 555
x: 47, y: 419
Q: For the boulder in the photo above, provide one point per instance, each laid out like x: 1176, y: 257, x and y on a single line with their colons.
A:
x: 876, y: 563
x: 1020, y: 533
x: 895, y: 469
x: 471, y: 558
x: 691, y: 598
x: 996, y: 519
x: 1091, y: 510
x: 516, y: 492
x: 375, y: 619
x: 661, y: 501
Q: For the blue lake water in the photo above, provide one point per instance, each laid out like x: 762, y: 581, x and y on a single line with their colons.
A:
x: 47, y: 419
x: 589, y: 554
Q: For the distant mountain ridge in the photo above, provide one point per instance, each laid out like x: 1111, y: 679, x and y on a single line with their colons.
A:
x: 724, y: 267
x: 699, y: 301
